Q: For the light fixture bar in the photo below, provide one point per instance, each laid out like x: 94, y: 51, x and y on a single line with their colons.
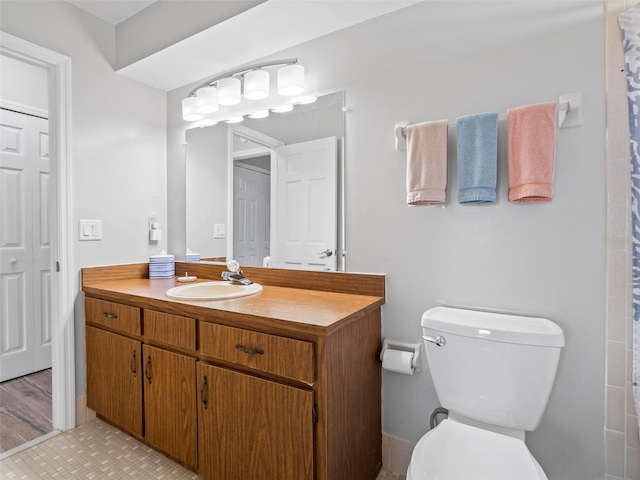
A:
x: 243, y: 70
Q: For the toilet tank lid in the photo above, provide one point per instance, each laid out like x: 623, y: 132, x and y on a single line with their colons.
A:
x: 497, y: 327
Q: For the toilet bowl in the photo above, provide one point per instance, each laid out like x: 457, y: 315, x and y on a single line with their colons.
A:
x: 455, y: 451
x: 494, y: 373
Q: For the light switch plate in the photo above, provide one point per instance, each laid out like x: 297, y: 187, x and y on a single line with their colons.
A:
x: 218, y: 230
x: 89, y: 230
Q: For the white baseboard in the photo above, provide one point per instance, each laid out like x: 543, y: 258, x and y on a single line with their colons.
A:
x: 396, y: 454
x: 83, y: 414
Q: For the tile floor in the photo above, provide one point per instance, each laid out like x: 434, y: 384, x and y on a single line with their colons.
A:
x: 97, y: 450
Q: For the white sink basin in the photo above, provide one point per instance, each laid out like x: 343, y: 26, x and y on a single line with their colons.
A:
x: 212, y: 291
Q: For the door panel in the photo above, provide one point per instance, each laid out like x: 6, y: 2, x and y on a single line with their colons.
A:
x: 251, y: 200
x: 253, y: 428
x: 24, y: 245
x: 113, y: 378
x: 170, y: 403
x: 306, y: 207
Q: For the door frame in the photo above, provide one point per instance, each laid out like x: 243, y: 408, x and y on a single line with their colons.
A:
x: 58, y: 68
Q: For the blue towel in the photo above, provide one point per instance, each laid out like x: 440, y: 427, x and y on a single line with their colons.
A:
x: 477, y: 157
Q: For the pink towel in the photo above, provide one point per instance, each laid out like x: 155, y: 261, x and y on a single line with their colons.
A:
x: 532, y: 152
x: 427, y: 163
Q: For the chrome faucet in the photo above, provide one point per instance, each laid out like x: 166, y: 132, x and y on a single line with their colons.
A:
x: 234, y: 275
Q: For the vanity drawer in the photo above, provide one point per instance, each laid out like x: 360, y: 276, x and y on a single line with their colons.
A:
x: 269, y: 353
x: 170, y: 329
x: 123, y: 318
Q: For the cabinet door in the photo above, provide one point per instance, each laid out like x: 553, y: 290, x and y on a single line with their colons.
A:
x: 170, y: 403
x: 251, y: 428
x: 114, y: 374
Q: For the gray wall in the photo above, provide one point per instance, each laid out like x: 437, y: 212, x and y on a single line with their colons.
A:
x: 207, y: 177
x: 440, y: 60
x: 118, y: 156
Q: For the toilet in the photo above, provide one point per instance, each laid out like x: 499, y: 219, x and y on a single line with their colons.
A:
x: 494, y: 373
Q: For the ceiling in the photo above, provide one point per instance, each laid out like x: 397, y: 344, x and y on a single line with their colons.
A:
x: 275, y: 25
x: 112, y: 11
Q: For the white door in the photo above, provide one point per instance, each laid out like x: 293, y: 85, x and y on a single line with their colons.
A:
x: 251, y: 215
x: 306, y: 206
x: 25, y: 275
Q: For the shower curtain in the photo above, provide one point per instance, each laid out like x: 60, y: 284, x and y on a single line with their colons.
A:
x: 630, y: 23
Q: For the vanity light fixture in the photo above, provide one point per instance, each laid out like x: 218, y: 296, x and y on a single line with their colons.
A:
x: 252, y: 82
x: 190, y: 109
x: 291, y: 80
x: 256, y: 84
x: 207, y: 100
x: 229, y: 91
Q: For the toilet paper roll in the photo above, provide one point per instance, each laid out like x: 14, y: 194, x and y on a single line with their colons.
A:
x: 398, y: 361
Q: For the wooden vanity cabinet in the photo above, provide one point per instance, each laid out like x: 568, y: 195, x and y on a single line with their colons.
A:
x: 281, y: 386
x: 253, y: 428
x: 114, y: 378
x: 128, y: 381
x: 170, y: 403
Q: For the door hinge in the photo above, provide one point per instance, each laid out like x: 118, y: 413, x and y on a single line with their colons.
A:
x: 57, y: 266
x: 314, y: 413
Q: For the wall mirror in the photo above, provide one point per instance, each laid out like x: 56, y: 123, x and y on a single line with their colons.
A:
x: 270, y: 190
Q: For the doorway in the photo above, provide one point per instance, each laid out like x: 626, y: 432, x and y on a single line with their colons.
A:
x: 25, y: 244
x: 60, y: 232
x: 251, y: 209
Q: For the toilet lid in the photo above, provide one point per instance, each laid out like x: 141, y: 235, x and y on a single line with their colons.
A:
x: 454, y: 451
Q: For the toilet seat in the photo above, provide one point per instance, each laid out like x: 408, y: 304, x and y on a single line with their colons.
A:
x: 455, y: 451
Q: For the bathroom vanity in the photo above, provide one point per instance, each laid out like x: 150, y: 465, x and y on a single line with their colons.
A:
x: 281, y: 385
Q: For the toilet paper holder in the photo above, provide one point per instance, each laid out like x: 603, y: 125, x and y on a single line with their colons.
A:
x: 394, y: 344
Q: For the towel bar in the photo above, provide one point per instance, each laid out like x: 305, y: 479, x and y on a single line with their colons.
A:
x: 569, y: 115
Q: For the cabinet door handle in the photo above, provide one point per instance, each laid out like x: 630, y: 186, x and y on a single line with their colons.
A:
x: 109, y: 315
x: 259, y: 351
x: 147, y: 369
x: 132, y: 363
x: 205, y: 402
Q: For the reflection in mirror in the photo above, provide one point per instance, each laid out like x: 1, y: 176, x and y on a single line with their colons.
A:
x: 269, y: 191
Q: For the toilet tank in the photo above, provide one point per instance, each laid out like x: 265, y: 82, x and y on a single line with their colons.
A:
x: 494, y: 368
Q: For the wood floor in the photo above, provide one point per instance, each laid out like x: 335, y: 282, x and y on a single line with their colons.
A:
x: 25, y: 409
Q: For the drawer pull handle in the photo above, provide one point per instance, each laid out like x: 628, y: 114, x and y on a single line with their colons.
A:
x: 132, y: 363
x: 109, y: 315
x: 249, y: 352
x: 147, y: 369
x: 205, y: 402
